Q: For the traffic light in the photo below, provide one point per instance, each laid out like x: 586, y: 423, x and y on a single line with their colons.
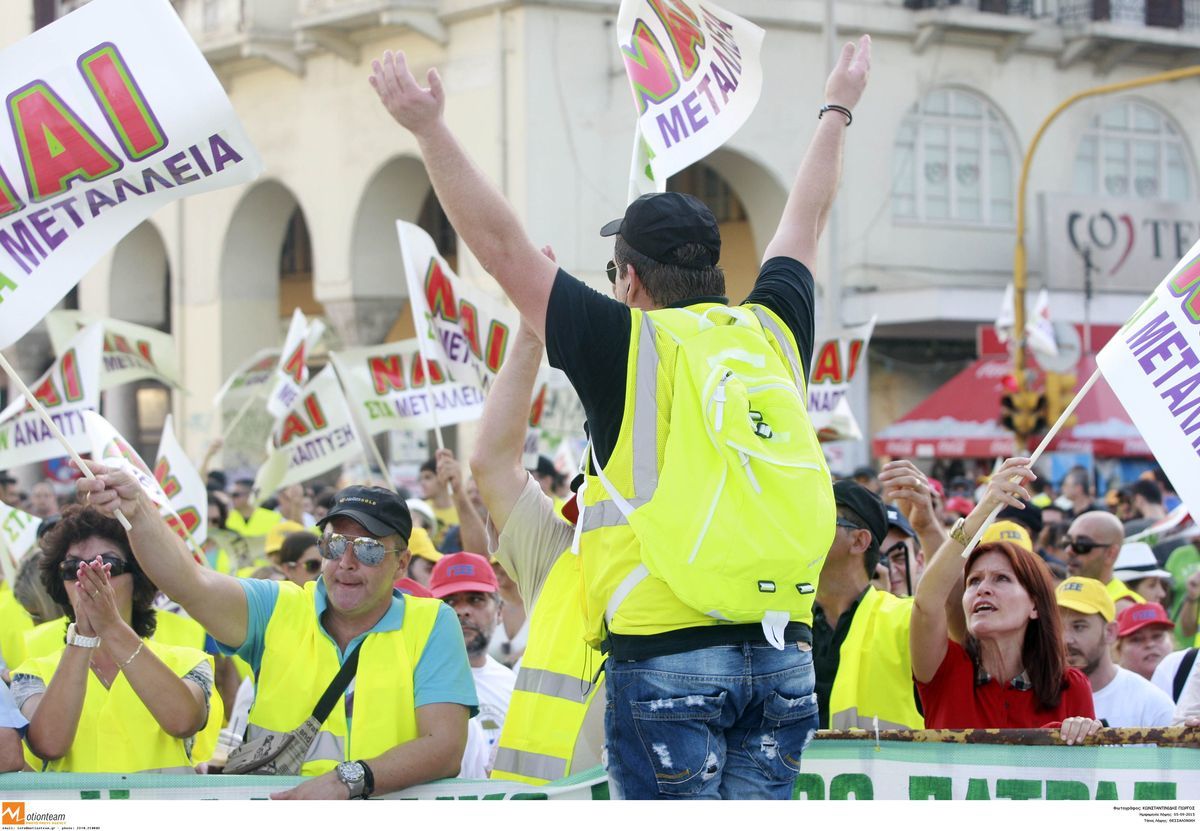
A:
x: 1060, y: 389
x: 1023, y: 412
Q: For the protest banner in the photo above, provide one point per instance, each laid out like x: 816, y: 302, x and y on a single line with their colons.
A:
x: 833, y: 769
x: 461, y: 330
x: 241, y: 401
x: 291, y: 374
x: 112, y: 450
x: 182, y: 485
x: 392, y: 388
x: 70, y: 387
x: 113, y: 112
x: 131, y: 352
x: 250, y: 380
x: 1152, y: 366
x: 695, y: 73
x: 18, y: 536
x: 316, y: 435
x: 834, y: 364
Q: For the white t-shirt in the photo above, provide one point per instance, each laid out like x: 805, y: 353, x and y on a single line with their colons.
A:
x: 1129, y: 700
x: 494, y: 687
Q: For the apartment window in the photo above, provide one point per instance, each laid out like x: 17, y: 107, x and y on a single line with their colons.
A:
x: 1133, y: 151
x: 953, y: 162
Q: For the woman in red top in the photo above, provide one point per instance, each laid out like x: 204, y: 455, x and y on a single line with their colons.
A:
x: 1001, y: 661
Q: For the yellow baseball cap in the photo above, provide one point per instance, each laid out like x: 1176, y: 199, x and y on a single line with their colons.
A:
x: 276, y: 536
x: 1083, y: 594
x: 1007, y: 531
x: 420, y: 544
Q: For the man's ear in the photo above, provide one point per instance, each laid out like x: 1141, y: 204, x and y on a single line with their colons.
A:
x: 636, y: 297
x: 1110, y: 633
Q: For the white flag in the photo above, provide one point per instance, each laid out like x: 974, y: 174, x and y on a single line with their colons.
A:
x: 113, y: 113
x: 292, y: 372
x: 18, y: 536
x: 835, y: 362
x: 315, y: 436
x: 1006, y: 320
x: 69, y: 388
x: 182, y: 485
x: 1039, y: 330
x: 695, y: 72
x: 131, y: 352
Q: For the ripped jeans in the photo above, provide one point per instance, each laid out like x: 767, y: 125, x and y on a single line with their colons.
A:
x: 723, y: 722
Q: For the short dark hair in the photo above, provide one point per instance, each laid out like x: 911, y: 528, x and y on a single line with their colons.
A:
x: 248, y: 484
x: 849, y: 515
x: 295, y: 544
x: 222, y: 509
x: 430, y: 466
x: 79, y: 523
x: 1080, y: 475
x: 1150, y: 491
x: 691, y: 275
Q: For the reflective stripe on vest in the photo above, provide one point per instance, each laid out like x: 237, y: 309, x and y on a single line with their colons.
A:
x: 554, y: 689
x: 874, y: 676
x: 299, y: 660
x: 117, y: 732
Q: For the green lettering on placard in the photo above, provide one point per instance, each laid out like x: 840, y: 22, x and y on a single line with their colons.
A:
x: 600, y: 790
x: 121, y: 794
x: 809, y: 786
x: 1154, y: 790
x: 929, y: 787
x: 1066, y: 789
x: 5, y: 283
x: 89, y: 794
x: 847, y: 785
x: 978, y: 789
x: 1106, y: 790
x: 1018, y: 789
x: 529, y: 796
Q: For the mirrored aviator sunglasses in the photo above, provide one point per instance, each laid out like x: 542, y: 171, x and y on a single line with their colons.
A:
x: 69, y: 568
x: 370, y: 552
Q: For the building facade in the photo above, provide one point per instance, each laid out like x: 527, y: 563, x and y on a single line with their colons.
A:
x: 925, y: 225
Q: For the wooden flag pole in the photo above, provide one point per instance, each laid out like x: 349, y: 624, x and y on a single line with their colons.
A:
x: 1037, y: 454
x: 45, y: 416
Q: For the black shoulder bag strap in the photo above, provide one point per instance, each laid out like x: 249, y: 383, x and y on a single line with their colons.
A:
x: 1185, y: 669
x: 337, y: 686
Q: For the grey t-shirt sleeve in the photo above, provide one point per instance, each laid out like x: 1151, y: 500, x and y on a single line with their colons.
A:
x: 532, y: 540
x: 10, y: 714
x: 25, y: 687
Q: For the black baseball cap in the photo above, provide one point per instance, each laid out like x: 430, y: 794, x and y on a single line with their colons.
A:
x: 866, y: 506
x: 897, y: 519
x: 379, y: 510
x: 1030, y: 516
x: 655, y: 224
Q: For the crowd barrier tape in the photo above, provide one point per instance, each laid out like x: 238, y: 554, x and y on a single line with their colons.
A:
x: 832, y: 769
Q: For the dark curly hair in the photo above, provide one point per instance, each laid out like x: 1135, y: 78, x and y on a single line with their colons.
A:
x: 79, y: 523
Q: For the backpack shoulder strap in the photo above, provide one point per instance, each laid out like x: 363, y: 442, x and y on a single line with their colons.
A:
x: 1181, y: 674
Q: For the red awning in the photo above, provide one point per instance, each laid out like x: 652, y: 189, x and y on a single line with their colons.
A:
x: 961, y: 420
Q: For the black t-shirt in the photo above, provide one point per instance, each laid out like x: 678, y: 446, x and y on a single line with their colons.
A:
x: 587, y: 337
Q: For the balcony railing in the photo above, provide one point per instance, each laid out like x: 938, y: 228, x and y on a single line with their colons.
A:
x: 1167, y: 14
x: 1018, y: 8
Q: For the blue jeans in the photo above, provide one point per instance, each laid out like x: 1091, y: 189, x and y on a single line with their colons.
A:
x: 723, y: 722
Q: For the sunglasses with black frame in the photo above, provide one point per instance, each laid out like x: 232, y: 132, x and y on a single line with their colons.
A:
x: 69, y: 568
x: 612, y: 269
x: 1083, y: 545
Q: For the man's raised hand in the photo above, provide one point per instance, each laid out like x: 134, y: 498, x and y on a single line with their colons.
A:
x: 418, y: 109
x: 113, y: 489
x: 849, y: 76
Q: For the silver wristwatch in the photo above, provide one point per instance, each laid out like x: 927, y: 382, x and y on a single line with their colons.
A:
x: 354, y: 777
x: 74, y: 639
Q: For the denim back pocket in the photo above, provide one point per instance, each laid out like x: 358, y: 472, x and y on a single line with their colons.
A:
x: 788, y: 725
x: 677, y: 736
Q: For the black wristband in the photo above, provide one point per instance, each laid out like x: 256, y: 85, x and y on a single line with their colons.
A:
x: 837, y: 108
x: 368, y: 779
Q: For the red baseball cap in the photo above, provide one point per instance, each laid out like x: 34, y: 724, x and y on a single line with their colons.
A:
x: 1141, y: 615
x: 407, y: 585
x: 462, y: 572
x: 959, y: 505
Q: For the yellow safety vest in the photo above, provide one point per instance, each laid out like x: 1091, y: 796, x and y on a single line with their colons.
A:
x: 1118, y: 590
x: 874, y: 676
x: 554, y: 686
x: 620, y: 594
x: 260, y: 522
x: 171, y: 629
x: 117, y: 732
x: 299, y: 660
x: 14, y: 623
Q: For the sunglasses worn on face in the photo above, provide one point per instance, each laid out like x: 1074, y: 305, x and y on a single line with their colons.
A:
x: 70, y: 568
x: 1082, y: 545
x: 311, y: 566
x: 369, y: 551
x: 897, y: 550
x: 613, y: 270
x: 845, y: 523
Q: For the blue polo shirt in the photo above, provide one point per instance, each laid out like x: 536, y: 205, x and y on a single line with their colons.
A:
x: 442, y: 675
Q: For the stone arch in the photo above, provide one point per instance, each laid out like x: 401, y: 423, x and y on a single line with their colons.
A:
x: 746, y: 226
x: 139, y: 291
x: 250, y: 270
